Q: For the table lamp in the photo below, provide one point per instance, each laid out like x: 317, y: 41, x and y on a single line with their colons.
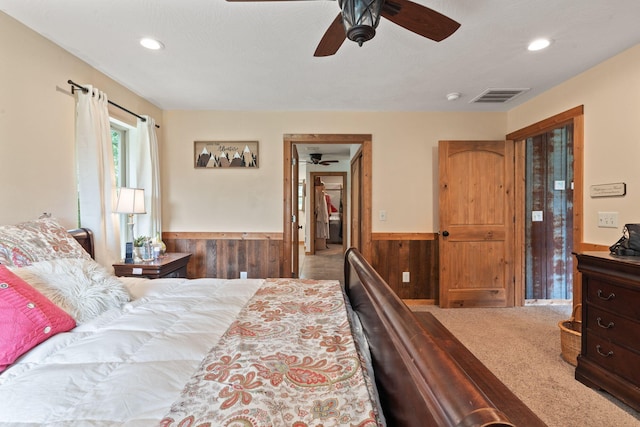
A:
x: 130, y: 202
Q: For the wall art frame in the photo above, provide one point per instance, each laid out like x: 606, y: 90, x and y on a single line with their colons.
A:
x: 225, y: 154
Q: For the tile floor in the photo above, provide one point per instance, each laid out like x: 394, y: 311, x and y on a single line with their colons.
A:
x: 325, y: 264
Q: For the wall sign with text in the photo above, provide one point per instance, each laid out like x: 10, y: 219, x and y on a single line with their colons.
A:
x: 617, y: 189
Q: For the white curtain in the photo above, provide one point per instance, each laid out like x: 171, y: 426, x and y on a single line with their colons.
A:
x: 145, y: 165
x: 96, y: 176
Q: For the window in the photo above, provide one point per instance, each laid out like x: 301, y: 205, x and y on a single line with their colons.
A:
x: 122, y: 136
x: 119, y: 142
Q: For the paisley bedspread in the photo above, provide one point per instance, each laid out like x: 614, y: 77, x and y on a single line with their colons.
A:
x: 288, y: 360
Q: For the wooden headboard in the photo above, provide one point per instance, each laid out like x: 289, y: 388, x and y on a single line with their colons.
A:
x: 419, y: 383
x: 84, y: 236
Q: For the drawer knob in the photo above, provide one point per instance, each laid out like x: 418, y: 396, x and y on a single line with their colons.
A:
x: 607, y: 298
x: 607, y: 326
x: 601, y: 353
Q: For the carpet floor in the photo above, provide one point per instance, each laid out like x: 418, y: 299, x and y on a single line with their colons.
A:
x: 521, y: 346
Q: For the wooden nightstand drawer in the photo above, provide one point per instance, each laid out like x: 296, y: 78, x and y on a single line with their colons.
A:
x: 171, y: 264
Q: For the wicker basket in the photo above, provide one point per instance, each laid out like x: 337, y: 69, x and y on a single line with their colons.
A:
x: 570, y: 337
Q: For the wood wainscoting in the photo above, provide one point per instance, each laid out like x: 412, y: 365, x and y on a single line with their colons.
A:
x: 417, y: 253
x: 225, y: 255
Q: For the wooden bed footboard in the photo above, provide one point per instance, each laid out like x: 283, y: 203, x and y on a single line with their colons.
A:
x: 419, y: 382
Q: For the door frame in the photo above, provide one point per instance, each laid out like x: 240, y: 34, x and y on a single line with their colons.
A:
x: 355, y: 199
x: 312, y: 205
x: 365, y: 140
x: 573, y: 116
x: 295, y: 196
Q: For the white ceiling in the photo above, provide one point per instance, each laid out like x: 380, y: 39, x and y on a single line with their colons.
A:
x: 328, y: 151
x: 259, y: 56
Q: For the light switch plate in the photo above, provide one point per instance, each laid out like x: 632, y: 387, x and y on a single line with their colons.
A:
x: 608, y: 219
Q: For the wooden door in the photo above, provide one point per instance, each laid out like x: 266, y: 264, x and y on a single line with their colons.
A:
x: 476, y: 223
x: 295, y: 191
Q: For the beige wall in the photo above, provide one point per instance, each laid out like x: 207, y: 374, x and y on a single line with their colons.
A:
x: 610, y: 93
x: 37, y: 155
x: 37, y: 164
x: 404, y: 164
x: 37, y: 111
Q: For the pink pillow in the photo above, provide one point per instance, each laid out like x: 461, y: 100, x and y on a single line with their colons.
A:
x: 27, y: 318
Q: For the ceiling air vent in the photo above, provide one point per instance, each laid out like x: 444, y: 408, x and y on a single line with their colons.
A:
x: 498, y: 96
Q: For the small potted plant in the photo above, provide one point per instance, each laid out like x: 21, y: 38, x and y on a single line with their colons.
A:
x: 139, y: 245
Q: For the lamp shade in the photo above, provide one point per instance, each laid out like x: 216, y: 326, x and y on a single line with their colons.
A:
x: 130, y: 201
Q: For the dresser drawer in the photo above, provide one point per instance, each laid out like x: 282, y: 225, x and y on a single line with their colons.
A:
x: 617, y: 299
x: 610, y: 353
x: 612, y: 327
x: 612, y: 357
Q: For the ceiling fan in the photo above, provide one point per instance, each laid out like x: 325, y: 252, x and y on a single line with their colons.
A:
x: 358, y: 20
x: 316, y: 159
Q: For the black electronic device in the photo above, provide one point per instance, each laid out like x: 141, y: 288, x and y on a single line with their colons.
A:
x: 128, y: 254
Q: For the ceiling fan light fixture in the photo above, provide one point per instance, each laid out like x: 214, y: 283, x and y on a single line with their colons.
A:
x: 360, y: 18
x: 315, y: 157
x: 361, y: 34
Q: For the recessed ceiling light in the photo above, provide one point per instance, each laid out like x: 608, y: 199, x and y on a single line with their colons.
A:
x: 539, y: 44
x: 152, y: 44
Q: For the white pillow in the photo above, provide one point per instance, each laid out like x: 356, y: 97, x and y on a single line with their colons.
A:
x: 81, y: 287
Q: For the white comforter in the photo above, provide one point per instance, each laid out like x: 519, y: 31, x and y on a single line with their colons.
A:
x: 127, y: 366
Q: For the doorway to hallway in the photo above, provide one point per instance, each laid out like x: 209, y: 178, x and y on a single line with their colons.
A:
x: 327, y: 217
x: 359, y: 217
x: 321, y: 257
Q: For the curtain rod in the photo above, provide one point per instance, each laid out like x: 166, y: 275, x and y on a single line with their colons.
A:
x: 85, y: 90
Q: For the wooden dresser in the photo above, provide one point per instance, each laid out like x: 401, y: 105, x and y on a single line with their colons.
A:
x: 610, y: 352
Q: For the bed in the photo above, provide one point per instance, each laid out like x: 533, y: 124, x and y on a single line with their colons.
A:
x: 242, y: 352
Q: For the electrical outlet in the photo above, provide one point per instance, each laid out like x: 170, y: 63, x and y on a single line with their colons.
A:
x: 405, y: 277
x: 383, y: 215
x: 243, y: 274
x: 608, y: 219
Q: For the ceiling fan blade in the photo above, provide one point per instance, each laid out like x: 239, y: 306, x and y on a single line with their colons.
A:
x: 419, y: 19
x: 327, y: 162
x: 332, y: 39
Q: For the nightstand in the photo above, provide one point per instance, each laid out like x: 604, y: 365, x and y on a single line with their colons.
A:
x: 171, y: 264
